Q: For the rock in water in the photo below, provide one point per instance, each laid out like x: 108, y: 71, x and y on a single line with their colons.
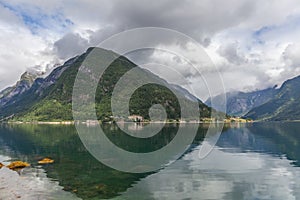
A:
x: 46, y: 161
x: 18, y: 165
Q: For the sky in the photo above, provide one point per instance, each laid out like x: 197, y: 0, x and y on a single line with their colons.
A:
x: 254, y: 44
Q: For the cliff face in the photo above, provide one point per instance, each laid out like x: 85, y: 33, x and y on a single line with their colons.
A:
x: 30, y: 89
x: 10, y: 94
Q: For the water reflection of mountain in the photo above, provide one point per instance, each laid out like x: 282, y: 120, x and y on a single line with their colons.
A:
x: 247, y: 163
x: 279, y: 139
x: 244, y: 148
x: 74, y: 168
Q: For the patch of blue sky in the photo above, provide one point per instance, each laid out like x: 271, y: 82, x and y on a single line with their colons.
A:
x: 263, y: 30
x: 36, y: 20
x: 291, y: 24
x: 258, y: 35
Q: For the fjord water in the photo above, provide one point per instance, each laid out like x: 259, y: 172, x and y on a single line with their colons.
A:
x: 255, y: 161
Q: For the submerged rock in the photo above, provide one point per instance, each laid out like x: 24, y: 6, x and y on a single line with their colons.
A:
x: 18, y: 165
x: 46, y: 161
x: 1, y: 165
x: 102, y: 188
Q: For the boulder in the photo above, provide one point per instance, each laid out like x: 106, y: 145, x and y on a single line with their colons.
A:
x: 18, y: 165
x: 46, y: 161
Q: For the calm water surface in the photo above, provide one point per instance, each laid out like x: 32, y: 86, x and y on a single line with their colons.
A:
x: 258, y: 161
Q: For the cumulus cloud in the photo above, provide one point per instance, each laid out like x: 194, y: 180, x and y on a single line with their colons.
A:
x: 19, y: 48
x: 70, y: 45
x: 232, y: 54
x: 253, y: 43
x: 291, y: 56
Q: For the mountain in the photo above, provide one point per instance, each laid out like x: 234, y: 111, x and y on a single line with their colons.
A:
x: 284, y: 105
x: 240, y: 103
x: 185, y: 93
x: 50, y: 98
x: 10, y: 94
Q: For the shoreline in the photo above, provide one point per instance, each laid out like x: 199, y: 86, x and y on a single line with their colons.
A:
x: 30, y: 184
x: 94, y: 122
x: 67, y: 123
x: 148, y: 122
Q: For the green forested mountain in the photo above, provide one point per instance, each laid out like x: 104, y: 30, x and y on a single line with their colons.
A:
x: 284, y: 105
x: 50, y: 98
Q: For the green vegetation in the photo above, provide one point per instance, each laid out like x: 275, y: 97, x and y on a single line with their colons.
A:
x: 284, y: 106
x: 54, y: 102
x: 48, y: 109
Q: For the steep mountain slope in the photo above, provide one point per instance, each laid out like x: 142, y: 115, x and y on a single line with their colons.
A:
x: 50, y: 98
x: 10, y: 94
x: 39, y: 90
x: 283, y: 106
x: 240, y: 103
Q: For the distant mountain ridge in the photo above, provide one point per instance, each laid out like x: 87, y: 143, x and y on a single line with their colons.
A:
x: 240, y: 103
x: 283, y: 106
x: 272, y: 104
x: 10, y: 94
x: 50, y: 98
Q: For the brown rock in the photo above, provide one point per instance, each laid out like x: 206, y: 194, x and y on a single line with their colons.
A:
x: 18, y: 165
x: 1, y: 165
x: 46, y: 161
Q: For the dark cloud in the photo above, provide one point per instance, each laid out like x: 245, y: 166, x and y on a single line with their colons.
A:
x: 232, y: 54
x: 198, y: 19
x: 226, y: 29
x: 70, y: 45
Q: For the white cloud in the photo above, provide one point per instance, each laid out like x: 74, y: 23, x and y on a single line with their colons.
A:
x: 19, y: 48
x: 253, y: 43
x: 232, y: 53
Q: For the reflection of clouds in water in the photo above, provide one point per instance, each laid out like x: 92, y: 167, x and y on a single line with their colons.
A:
x: 4, y: 159
x: 253, y: 175
x: 221, y: 161
x: 31, y: 184
x: 222, y: 175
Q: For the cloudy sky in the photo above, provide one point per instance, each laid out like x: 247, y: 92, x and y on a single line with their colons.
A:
x: 254, y: 44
